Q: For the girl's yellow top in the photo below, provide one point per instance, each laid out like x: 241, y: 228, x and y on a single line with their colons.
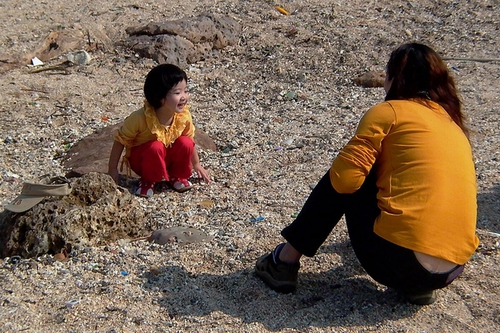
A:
x: 143, y: 126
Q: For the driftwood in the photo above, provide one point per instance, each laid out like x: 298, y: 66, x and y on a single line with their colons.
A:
x: 473, y: 59
x: 63, y: 66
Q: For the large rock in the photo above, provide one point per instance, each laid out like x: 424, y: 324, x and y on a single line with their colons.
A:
x: 91, y: 154
x: 95, y: 213
x: 183, y: 41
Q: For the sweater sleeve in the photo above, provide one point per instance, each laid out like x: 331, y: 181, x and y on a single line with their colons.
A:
x: 128, y: 132
x: 355, y: 160
x: 189, y: 126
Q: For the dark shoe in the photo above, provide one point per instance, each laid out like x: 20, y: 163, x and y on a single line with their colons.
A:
x: 278, y: 275
x: 423, y: 298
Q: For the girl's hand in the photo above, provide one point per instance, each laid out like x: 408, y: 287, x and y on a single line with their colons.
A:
x: 202, y: 173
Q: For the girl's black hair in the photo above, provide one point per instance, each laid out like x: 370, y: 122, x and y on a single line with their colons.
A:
x: 160, y: 80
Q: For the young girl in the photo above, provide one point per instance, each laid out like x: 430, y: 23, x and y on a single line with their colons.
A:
x: 159, y: 137
x: 405, y: 182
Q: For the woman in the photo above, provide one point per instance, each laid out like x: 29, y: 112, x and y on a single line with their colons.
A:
x: 405, y: 182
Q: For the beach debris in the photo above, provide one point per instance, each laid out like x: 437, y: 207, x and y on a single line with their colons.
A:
x: 72, y: 303
x: 55, y: 44
x: 290, y: 95
x: 14, y: 260
x: 282, y: 10
x: 79, y: 58
x: 36, y: 62
x: 473, y: 59
x: 61, y: 66
x: 207, y: 203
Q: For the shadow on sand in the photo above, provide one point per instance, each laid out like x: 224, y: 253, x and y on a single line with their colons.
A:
x: 350, y: 294
x: 488, y: 210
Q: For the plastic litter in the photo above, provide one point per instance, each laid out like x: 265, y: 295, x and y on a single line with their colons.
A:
x: 282, y: 10
x: 207, y: 203
x: 36, y: 62
x: 72, y: 303
x: 291, y: 95
x: 14, y: 260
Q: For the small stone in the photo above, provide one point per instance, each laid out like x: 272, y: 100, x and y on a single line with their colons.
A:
x: 79, y: 58
x: 207, y: 203
x: 290, y: 95
x: 371, y: 79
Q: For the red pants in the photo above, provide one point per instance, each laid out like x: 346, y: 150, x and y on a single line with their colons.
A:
x: 154, y: 162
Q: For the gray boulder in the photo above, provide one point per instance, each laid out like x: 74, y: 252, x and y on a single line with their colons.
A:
x: 184, y: 41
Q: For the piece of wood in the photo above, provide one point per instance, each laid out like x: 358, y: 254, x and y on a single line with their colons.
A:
x: 472, y: 59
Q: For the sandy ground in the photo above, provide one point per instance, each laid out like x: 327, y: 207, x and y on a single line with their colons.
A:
x: 279, y: 105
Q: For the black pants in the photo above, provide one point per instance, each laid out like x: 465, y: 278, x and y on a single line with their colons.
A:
x: 387, y: 263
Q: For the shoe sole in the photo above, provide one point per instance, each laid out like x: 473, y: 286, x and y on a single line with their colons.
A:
x: 278, y: 286
x: 422, y: 299
x: 184, y: 189
x: 139, y: 194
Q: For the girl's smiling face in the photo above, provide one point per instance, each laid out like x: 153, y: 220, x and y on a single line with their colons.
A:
x: 177, y: 97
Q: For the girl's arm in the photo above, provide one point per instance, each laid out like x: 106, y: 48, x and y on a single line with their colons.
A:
x: 114, y: 158
x: 195, y: 161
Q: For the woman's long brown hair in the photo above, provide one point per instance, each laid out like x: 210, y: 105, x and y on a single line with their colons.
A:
x: 418, y: 72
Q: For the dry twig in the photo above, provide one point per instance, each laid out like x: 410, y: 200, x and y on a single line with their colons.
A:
x: 473, y: 59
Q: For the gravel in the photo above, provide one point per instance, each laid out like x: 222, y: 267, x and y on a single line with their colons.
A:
x: 279, y: 105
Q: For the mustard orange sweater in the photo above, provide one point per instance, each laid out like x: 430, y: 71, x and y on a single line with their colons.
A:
x: 425, y: 175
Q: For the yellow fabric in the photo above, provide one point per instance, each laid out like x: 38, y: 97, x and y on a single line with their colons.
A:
x: 425, y: 175
x: 143, y: 126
